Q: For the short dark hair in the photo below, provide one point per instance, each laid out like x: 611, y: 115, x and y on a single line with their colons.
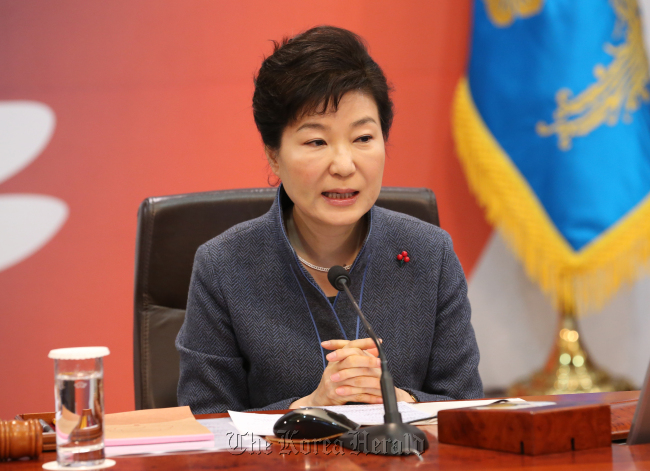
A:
x: 310, y: 73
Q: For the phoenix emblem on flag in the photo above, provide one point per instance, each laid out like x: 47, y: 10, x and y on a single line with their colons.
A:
x: 619, y: 89
x: 504, y: 12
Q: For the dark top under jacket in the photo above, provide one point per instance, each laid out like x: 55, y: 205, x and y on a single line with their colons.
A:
x: 255, y: 317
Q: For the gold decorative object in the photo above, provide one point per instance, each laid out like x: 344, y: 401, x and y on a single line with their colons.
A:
x: 568, y: 369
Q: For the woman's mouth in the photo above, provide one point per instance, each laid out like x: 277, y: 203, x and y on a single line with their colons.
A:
x: 339, y: 196
x: 344, y: 197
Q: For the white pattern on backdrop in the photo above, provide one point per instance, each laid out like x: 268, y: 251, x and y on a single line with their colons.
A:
x: 27, y: 221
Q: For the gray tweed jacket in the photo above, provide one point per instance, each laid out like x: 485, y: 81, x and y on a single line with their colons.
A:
x: 255, y: 317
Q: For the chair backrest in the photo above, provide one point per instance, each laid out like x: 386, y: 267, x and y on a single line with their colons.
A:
x: 170, y: 230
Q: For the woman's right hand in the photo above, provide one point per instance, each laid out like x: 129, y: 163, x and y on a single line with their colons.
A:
x: 352, y: 375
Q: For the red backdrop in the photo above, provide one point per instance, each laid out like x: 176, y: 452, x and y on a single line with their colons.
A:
x: 154, y: 97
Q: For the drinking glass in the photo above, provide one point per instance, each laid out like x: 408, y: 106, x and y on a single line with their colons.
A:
x: 79, y: 396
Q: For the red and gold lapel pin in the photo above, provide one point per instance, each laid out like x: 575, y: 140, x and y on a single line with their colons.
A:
x: 403, y: 258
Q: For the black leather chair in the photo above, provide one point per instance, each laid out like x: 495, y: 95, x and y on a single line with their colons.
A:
x: 170, y: 230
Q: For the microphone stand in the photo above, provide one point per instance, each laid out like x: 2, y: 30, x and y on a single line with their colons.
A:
x: 393, y: 437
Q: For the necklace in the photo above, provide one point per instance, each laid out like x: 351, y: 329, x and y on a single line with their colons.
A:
x: 317, y: 268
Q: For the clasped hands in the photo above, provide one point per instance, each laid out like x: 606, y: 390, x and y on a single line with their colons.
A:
x: 352, y: 375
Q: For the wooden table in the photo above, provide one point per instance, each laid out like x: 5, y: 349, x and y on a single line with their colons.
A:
x: 439, y: 456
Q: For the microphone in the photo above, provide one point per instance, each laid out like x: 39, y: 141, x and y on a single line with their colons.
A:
x: 393, y: 437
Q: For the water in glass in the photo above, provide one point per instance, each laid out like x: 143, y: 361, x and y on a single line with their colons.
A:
x: 79, y: 416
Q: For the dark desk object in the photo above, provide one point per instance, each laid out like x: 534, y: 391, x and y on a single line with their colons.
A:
x: 312, y: 423
x: 170, y: 229
x: 439, y: 456
x: 640, y: 428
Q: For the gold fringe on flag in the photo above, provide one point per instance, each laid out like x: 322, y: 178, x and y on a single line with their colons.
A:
x: 576, y: 281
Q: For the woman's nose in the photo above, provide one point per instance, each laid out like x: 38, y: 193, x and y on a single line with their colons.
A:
x: 342, y: 162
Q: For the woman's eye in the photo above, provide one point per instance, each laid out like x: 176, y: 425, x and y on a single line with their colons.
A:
x: 316, y: 143
x: 364, y: 138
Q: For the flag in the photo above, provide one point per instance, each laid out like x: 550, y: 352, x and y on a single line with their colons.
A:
x: 552, y: 126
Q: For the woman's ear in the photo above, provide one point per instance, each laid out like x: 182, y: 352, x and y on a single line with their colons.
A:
x: 272, y: 157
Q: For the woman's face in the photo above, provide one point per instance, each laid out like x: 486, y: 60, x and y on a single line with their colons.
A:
x: 331, y: 165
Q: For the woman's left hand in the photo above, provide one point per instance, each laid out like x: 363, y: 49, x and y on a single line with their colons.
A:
x: 402, y: 396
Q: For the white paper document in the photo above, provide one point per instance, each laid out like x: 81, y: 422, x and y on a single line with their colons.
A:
x: 373, y: 414
x: 228, y: 437
x: 257, y: 424
x: 516, y: 405
x: 431, y: 409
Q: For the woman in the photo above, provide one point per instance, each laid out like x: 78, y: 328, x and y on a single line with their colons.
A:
x: 264, y: 329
